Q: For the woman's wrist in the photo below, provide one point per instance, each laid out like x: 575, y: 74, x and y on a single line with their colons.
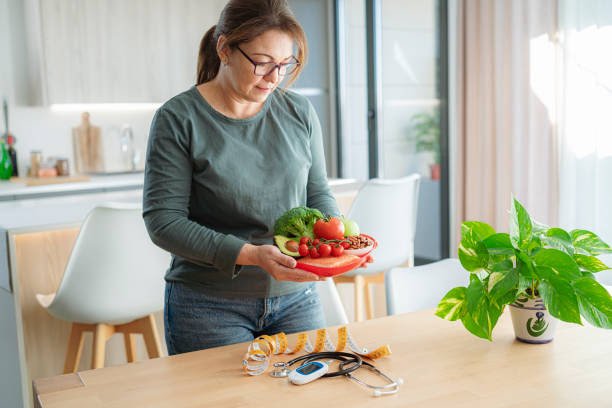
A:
x: 247, y: 255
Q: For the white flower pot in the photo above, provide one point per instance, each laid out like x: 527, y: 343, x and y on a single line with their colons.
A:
x: 532, y: 322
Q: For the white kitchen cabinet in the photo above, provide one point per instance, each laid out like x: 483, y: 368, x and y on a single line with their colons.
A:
x: 117, y: 51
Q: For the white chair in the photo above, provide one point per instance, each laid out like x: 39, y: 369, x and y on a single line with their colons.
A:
x: 386, y: 210
x: 422, y: 287
x: 332, y: 305
x: 113, y: 283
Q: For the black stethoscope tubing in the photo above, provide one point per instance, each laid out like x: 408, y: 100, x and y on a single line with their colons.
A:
x: 346, y: 358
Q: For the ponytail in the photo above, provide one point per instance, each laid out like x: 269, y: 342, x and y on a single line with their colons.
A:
x: 208, y: 59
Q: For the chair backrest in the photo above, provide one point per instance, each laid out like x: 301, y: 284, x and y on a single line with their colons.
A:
x: 386, y: 209
x: 335, y: 315
x: 115, y: 273
x: 422, y: 287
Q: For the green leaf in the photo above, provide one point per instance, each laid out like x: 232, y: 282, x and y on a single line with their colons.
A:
x: 538, y: 227
x: 560, y: 239
x: 474, y: 293
x: 588, y: 275
x: 499, y: 244
x: 524, y: 283
x: 474, y: 328
x: 520, y: 226
x: 589, y: 242
x: 452, y: 306
x: 563, y: 264
x: 595, y: 302
x: 590, y: 263
x: 525, y: 265
x: 504, y: 282
x: 473, y: 253
x: 507, y: 299
x: 560, y: 298
x: 481, y: 230
x: 483, y: 319
x: 494, y: 313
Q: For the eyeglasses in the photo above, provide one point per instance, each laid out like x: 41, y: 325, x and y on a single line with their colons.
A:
x: 266, y: 68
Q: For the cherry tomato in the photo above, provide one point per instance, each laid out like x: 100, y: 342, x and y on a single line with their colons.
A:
x: 315, y: 242
x: 337, y: 250
x: 324, y: 249
x: 305, y: 240
x: 303, y: 250
x: 329, y: 228
x: 345, y: 245
x: 314, y: 253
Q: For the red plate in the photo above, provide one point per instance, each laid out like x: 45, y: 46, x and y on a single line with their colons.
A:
x: 332, y: 266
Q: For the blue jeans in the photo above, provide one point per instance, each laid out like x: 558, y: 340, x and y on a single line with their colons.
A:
x: 195, y: 321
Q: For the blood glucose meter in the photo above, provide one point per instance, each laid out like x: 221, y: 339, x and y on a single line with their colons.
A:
x: 308, y: 372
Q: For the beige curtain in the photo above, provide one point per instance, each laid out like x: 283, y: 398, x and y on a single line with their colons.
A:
x: 505, y: 111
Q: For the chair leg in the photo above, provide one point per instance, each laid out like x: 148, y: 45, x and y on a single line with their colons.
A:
x: 359, y: 291
x: 101, y: 334
x: 369, y: 280
x: 75, y: 346
x: 368, y: 301
x: 151, y: 337
x: 130, y: 347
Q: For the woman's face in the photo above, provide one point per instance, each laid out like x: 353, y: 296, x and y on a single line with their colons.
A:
x: 272, y: 46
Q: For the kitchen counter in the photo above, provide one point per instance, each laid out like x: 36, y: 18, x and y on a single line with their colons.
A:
x: 11, y: 190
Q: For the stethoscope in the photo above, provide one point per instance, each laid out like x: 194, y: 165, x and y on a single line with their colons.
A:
x: 349, y: 363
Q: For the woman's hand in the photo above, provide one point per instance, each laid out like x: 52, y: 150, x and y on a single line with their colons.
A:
x: 369, y: 259
x: 273, y: 261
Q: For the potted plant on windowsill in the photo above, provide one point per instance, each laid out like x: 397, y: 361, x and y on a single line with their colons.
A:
x: 426, y: 128
x: 543, y: 273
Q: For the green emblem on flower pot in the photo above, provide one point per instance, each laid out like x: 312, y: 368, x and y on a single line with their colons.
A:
x: 538, y: 327
x: 533, y: 267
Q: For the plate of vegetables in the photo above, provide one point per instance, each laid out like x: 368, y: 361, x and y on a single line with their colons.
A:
x: 324, y: 245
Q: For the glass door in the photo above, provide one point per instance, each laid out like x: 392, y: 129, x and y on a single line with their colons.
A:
x: 397, y: 118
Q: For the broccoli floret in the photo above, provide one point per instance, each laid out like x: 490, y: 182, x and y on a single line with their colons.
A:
x: 297, y: 222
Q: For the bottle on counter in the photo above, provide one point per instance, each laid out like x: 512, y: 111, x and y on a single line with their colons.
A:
x: 35, y: 160
x: 13, y: 154
x: 9, y: 139
x: 6, y: 166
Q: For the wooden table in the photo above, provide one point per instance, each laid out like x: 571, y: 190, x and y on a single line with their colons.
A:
x: 440, y: 363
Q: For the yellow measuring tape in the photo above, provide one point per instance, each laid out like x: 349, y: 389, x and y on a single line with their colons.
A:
x: 257, y: 358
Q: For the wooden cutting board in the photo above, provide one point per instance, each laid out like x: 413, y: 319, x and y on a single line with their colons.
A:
x: 87, y: 145
x: 43, y: 181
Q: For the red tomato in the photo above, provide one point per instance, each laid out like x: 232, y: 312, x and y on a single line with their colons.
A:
x: 329, y: 228
x: 324, y: 250
x: 305, y: 240
x: 345, y: 245
x: 315, y: 242
x: 337, y: 250
x: 314, y: 253
x: 303, y: 250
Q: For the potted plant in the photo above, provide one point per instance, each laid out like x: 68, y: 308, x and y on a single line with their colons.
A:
x: 426, y: 128
x: 543, y: 273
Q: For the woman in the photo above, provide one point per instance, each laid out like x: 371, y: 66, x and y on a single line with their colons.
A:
x: 225, y: 159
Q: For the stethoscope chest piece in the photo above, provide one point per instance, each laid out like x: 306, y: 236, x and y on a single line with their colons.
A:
x: 281, y: 369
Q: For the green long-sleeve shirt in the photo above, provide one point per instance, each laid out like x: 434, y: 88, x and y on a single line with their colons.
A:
x: 214, y: 183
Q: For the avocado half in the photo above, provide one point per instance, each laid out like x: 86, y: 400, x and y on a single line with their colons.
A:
x: 281, y: 242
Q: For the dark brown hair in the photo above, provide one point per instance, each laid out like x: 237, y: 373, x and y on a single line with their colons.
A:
x: 243, y: 20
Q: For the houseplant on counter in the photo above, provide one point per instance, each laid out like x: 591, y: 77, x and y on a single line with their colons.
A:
x: 426, y: 128
x: 542, y: 273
